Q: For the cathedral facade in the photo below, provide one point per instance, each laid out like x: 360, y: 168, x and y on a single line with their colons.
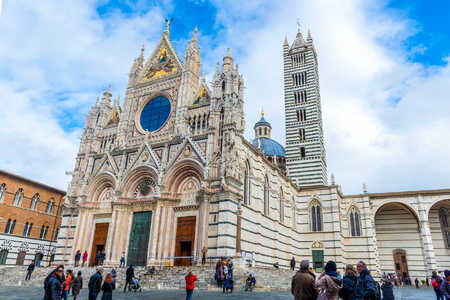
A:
x: 169, y: 172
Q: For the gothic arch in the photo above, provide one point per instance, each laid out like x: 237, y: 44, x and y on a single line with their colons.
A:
x: 179, y: 175
x: 354, y: 221
x: 100, y: 183
x: 315, y: 212
x: 137, y: 176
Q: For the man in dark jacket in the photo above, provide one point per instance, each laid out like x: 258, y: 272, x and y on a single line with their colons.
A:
x: 95, y: 284
x: 129, y: 278
x: 53, y: 284
x: 303, y: 283
x: 77, y: 258
x: 365, y: 288
x: 30, y: 270
x: 292, y: 263
x: 445, y: 285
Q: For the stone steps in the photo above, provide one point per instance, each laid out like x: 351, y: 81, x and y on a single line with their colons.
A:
x: 165, y: 278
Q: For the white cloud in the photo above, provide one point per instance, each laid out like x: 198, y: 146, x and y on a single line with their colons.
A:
x: 363, y: 67
x: 58, y: 55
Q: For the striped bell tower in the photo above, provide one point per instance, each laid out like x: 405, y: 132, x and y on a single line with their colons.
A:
x: 305, y: 150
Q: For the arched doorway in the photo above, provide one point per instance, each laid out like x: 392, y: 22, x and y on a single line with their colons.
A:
x: 20, y: 258
x: 399, y: 240
x: 38, y: 258
x: 439, y: 220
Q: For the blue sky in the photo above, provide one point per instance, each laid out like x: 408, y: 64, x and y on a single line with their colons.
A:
x: 383, y: 67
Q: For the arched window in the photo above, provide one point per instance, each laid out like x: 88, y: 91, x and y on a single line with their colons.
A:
x: 34, y: 201
x: 56, y: 233
x: 247, y: 184
x: 444, y: 218
x: 294, y: 208
x: 355, y: 223
x: 25, y: 229
x: 10, y: 226
x: 316, y: 217
x: 41, y: 235
x: 50, y: 206
x: 18, y: 197
x: 266, y: 197
x: 281, y: 206
x: 2, y: 192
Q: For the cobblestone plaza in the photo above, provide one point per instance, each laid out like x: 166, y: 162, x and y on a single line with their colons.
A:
x: 16, y: 293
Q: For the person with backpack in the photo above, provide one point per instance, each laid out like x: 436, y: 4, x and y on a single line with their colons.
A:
x: 328, y: 284
x: 387, y: 288
x: 436, y: 281
x: 190, y: 286
x: 366, y: 287
x: 95, y: 284
x: 85, y: 256
x: 53, y: 284
x: 349, y: 283
x: 445, y: 285
x: 77, y: 285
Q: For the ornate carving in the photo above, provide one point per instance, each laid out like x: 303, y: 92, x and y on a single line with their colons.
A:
x: 317, y: 244
x: 6, y: 245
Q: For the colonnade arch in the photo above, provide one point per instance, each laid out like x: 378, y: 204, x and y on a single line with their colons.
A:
x: 399, y: 239
x: 438, y: 219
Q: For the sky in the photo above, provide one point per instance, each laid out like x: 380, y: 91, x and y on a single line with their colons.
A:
x: 383, y: 65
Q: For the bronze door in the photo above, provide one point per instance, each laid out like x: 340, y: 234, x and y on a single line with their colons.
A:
x: 184, y: 244
x: 139, y: 238
x: 401, y: 264
x: 99, y: 241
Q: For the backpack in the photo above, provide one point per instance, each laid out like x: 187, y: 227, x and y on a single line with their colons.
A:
x: 435, y: 284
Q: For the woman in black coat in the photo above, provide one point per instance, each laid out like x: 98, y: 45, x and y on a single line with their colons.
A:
x: 388, y: 290
x: 77, y: 285
x: 108, y: 287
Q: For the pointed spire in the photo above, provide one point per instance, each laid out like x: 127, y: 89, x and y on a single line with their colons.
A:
x: 117, y: 101
x: 262, y: 112
x: 96, y: 102
x: 227, y: 61
x: 333, y: 182
x: 309, y: 38
x: 286, y: 43
x: 140, y: 59
x: 106, y: 100
x: 217, y: 68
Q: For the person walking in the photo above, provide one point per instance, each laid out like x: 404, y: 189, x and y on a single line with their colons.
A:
x: 77, y: 258
x: 436, y: 281
x: 97, y: 258
x: 190, y: 286
x: 365, y: 287
x: 292, y: 263
x: 348, y: 283
x: 66, y: 285
x: 204, y: 251
x: 328, y: 283
x: 303, y: 283
x: 108, y: 287
x: 114, y: 275
x: 85, y: 256
x: 128, y: 278
x: 53, y: 284
x: 30, y: 270
x: 445, y: 285
x: 122, y: 260
x: 388, y: 289
x: 95, y: 284
x: 416, y: 282
x: 77, y: 285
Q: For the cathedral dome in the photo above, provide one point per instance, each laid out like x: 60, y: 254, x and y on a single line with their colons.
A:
x: 269, y: 147
x: 262, y: 122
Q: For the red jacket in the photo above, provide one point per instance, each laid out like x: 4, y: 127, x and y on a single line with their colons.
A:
x: 190, y: 282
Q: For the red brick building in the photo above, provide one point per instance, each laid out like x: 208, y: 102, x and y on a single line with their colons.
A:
x: 30, y: 220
